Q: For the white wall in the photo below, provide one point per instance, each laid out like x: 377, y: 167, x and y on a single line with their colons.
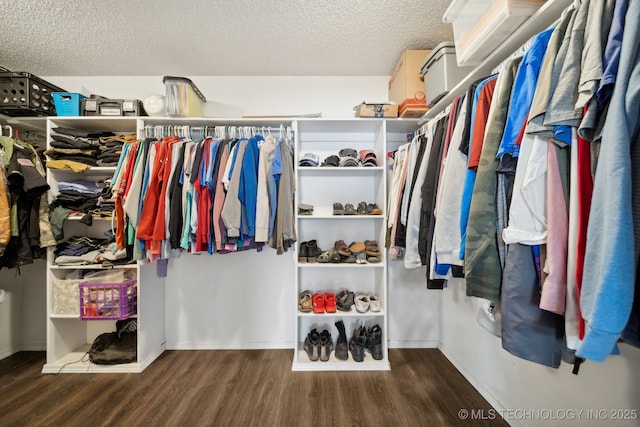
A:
x: 247, y: 300
x: 508, y: 382
x: 23, y: 313
x: 240, y: 96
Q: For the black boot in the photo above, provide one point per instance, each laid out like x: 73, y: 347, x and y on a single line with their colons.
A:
x: 342, y: 350
x: 374, y: 342
x: 358, y: 343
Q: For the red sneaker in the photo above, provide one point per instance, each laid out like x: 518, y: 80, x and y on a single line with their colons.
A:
x: 318, y: 303
x: 330, y: 302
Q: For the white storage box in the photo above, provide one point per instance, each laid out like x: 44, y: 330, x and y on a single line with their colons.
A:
x: 66, y: 299
x: 481, y: 25
x: 441, y: 72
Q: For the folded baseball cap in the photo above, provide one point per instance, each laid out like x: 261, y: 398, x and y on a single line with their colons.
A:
x: 309, y: 159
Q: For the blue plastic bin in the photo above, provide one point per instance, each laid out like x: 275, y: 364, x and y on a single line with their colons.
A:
x: 67, y: 103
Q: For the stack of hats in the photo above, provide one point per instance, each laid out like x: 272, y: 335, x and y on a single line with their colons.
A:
x: 349, y: 157
x: 309, y: 159
x: 368, y: 158
x: 332, y: 160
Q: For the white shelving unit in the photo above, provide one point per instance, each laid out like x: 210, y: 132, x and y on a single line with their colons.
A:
x: 68, y: 337
x: 321, y: 187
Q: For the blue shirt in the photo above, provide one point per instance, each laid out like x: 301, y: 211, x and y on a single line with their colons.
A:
x: 524, y: 87
x: 470, y: 177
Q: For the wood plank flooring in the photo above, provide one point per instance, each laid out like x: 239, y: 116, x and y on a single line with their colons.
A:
x: 240, y: 388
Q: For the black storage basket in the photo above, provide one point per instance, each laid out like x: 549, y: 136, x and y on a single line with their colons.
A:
x: 23, y: 94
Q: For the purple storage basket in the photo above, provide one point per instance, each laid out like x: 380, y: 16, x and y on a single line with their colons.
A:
x: 108, y: 301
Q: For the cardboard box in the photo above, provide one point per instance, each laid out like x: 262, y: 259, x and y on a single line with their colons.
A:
x: 384, y: 110
x: 406, y: 87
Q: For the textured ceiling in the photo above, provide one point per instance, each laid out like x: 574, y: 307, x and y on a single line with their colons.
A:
x: 216, y: 37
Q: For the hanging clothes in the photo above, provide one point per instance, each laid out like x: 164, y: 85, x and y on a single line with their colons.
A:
x: 606, y: 297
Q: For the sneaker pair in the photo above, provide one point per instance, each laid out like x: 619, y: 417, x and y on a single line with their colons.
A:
x: 318, y: 345
x: 324, y: 302
x: 367, y: 302
x: 365, y: 208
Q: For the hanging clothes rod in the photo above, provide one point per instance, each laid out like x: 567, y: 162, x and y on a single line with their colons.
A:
x: 203, y: 132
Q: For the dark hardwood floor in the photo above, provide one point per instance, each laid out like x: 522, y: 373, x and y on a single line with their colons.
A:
x: 240, y: 388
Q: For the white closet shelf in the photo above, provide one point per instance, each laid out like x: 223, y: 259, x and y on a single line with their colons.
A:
x: 78, y: 362
x: 30, y: 124
x: 351, y: 313
x: 302, y: 363
x: 340, y: 170
x: 94, y: 170
x: 326, y: 212
x: 96, y: 123
x: 340, y: 265
x: 93, y: 267
x: 78, y: 218
x: 347, y: 125
x: 64, y: 316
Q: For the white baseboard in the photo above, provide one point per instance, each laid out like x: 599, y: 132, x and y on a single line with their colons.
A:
x: 477, y: 384
x: 267, y: 345
x: 413, y: 344
x: 8, y: 353
x: 33, y: 346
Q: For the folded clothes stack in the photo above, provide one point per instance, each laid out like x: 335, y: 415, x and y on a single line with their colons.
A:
x: 81, y: 250
x: 88, y: 198
x: 75, y: 150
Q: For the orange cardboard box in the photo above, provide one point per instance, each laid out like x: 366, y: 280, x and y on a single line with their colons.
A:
x: 406, y: 87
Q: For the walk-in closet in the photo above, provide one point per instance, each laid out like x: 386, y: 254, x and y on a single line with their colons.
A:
x: 383, y: 213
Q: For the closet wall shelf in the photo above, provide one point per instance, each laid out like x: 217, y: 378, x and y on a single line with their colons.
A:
x: 78, y: 362
x: 97, y: 123
x: 326, y: 212
x: 549, y: 12
x: 340, y: 170
x: 69, y: 337
x: 28, y: 124
x: 78, y: 218
x: 321, y: 187
x: 352, y: 313
x: 302, y: 363
x: 93, y: 267
x: 341, y: 265
x: 64, y: 316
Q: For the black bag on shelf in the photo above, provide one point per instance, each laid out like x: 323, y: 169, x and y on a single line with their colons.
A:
x: 112, y: 348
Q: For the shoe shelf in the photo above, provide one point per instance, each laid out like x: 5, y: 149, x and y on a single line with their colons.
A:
x: 302, y: 363
x: 341, y: 265
x: 77, y: 362
x: 326, y: 212
x: 350, y: 170
x: 93, y: 267
x: 351, y: 313
x: 322, y: 187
